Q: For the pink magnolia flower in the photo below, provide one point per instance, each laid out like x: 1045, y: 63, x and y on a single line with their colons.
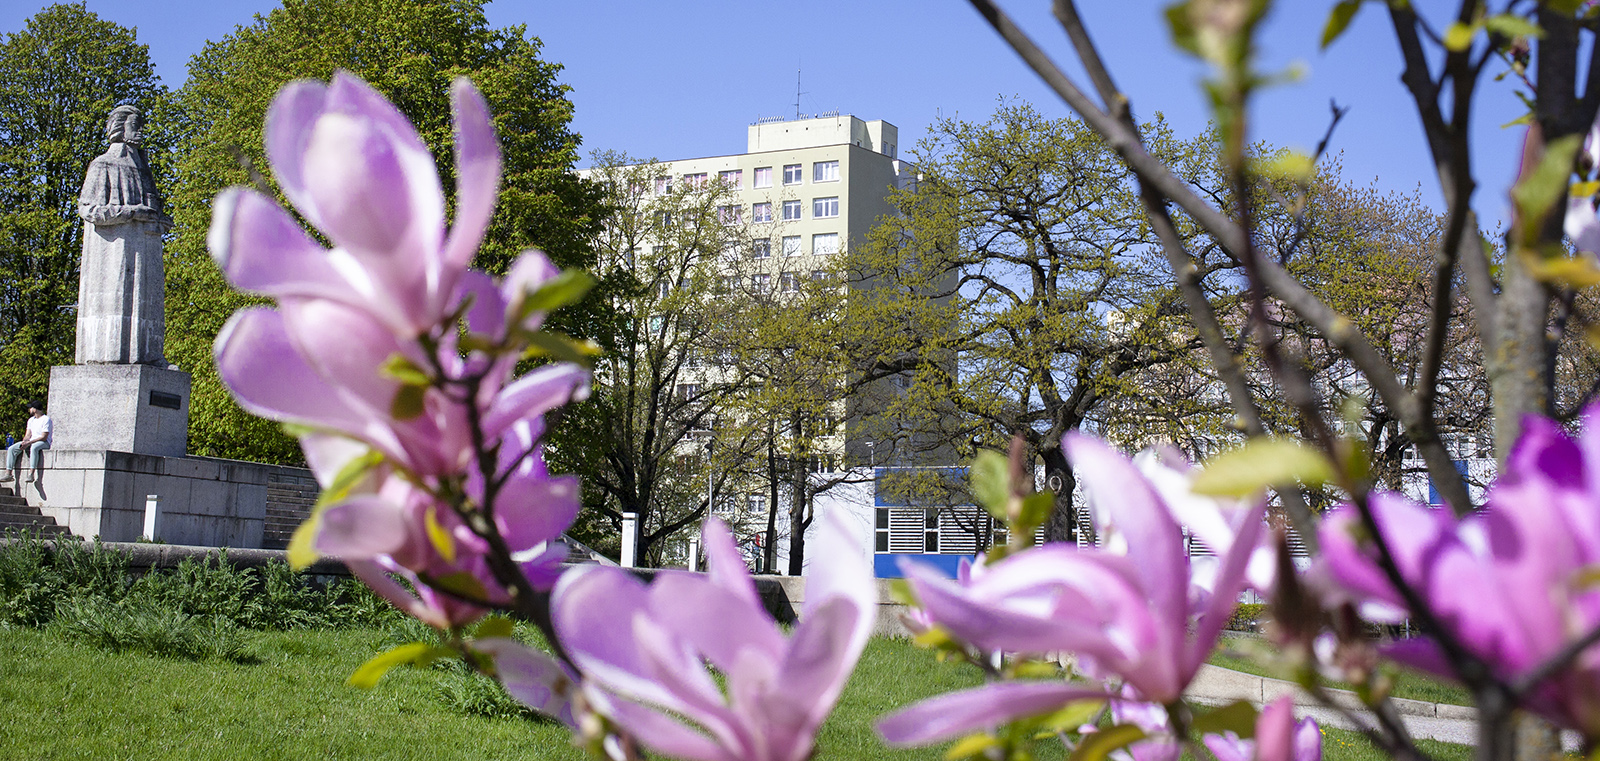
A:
x: 1509, y: 583
x: 364, y: 350
x: 355, y: 168
x: 1133, y: 616
x: 1278, y: 738
x: 645, y: 650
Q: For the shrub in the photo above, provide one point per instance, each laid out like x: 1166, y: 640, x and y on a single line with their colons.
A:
x: 1247, y: 617
x: 153, y: 631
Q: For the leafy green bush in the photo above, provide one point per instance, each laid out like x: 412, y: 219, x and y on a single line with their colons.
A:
x: 1247, y: 617
x: 38, y: 577
x: 152, y: 630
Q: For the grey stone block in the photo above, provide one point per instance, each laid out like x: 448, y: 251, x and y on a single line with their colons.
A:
x: 119, y: 408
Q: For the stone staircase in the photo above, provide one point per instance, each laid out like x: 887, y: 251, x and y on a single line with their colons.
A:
x: 17, y: 515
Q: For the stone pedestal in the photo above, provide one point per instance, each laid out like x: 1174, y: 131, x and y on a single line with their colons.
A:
x: 139, y: 409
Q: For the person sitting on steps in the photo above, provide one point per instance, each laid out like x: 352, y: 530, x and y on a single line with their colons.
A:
x: 36, y: 441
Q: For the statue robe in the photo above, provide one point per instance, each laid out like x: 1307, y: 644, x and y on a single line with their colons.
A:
x: 121, y: 289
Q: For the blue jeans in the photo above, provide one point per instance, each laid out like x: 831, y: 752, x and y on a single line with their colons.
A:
x: 35, y: 455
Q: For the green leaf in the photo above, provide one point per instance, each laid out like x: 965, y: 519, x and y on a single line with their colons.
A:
x: 401, y: 368
x: 1512, y: 26
x: 900, y: 592
x: 301, y: 551
x: 971, y: 746
x: 1238, y: 718
x: 1540, y: 189
x: 991, y: 482
x: 408, y: 402
x: 1097, y: 746
x: 561, y: 348
x: 1339, y: 20
x: 1259, y: 464
x: 1289, y: 165
x: 1571, y: 271
x: 1459, y: 36
x: 477, y: 342
x: 415, y: 653
x: 438, y: 536
x: 1073, y: 715
x: 1567, y: 7
x: 462, y: 584
x: 494, y: 626
x: 563, y: 289
x: 1526, y: 118
x: 935, y: 637
x: 1181, y: 25
x: 1584, y: 189
x: 1036, y: 510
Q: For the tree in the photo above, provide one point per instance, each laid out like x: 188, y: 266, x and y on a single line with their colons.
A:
x: 1013, y: 293
x: 657, y: 395
x: 410, y: 51
x: 59, y: 78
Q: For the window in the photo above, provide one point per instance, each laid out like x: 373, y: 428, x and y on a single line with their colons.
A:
x: 657, y: 323
x: 825, y: 171
x: 818, y: 276
x: 629, y: 257
x: 662, y: 289
x: 888, y: 150
x: 791, y: 245
x: 727, y: 283
x: 761, y: 212
x: 761, y: 248
x: 825, y: 243
x: 697, y: 180
x: 663, y: 185
x: 761, y: 283
x: 791, y: 210
x: 791, y: 174
x: 730, y: 215
x: 825, y: 207
x: 762, y: 178
x: 756, y: 503
x: 688, y: 391
x: 789, y: 282
x: 731, y: 177
x: 664, y: 218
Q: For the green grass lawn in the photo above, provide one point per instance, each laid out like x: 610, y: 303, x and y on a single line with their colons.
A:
x: 1236, y: 654
x: 62, y: 699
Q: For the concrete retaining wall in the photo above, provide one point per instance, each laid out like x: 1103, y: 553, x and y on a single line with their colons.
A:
x: 202, y: 500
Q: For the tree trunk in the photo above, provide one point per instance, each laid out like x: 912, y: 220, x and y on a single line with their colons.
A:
x: 1062, y: 525
x: 798, y: 500
x: 769, y: 556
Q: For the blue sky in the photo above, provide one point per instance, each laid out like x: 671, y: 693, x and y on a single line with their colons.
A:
x: 676, y: 80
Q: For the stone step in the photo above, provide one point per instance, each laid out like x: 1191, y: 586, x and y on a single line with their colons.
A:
x: 10, y: 508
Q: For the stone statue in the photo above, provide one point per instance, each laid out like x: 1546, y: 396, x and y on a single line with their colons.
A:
x: 121, y: 291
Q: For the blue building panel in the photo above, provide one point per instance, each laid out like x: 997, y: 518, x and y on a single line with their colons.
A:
x: 887, y: 565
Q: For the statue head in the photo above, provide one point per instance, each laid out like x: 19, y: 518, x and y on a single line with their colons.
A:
x: 124, y: 125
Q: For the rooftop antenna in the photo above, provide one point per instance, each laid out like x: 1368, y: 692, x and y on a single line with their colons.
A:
x: 797, y: 93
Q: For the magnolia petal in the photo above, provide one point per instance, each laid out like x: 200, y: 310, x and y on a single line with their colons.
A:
x: 1155, y: 544
x: 536, y: 680
x: 1307, y: 740
x: 1581, y: 224
x: 289, y: 119
x: 532, y: 509
x: 268, y: 377
x: 717, y: 622
x: 1275, y: 731
x: 536, y: 393
x: 261, y: 249
x: 376, y: 577
x: 822, y: 652
x: 665, y: 734
x: 531, y: 270
x: 958, y: 713
x: 1230, y: 581
x: 477, y: 173
x: 592, y: 608
x: 1228, y: 747
x: 725, y: 565
x: 362, y: 527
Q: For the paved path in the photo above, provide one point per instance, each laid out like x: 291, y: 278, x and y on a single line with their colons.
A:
x: 1436, y: 721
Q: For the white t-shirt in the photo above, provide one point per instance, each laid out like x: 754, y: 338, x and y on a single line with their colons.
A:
x: 40, y: 426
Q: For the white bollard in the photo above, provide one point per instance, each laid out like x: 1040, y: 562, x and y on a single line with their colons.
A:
x: 694, y: 553
x: 630, y: 540
x: 151, y: 513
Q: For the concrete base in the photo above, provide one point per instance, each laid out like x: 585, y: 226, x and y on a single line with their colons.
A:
x: 201, y: 500
x: 122, y: 408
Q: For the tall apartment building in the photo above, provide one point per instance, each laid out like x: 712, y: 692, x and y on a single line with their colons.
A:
x: 818, y: 184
